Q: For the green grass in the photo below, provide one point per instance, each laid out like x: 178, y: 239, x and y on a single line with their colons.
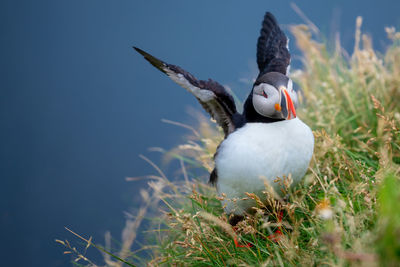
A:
x: 345, y: 212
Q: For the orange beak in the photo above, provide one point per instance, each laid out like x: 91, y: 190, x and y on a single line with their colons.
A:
x: 286, y: 104
x: 291, y: 109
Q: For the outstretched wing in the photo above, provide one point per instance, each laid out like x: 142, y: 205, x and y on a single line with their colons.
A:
x: 211, y: 95
x: 272, y: 51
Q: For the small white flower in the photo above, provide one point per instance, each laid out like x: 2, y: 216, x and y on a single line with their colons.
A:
x: 325, y: 214
x: 324, y: 210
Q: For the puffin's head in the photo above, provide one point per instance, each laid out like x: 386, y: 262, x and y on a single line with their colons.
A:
x: 274, y: 97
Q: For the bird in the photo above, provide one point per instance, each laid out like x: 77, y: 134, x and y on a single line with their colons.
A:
x: 265, y: 142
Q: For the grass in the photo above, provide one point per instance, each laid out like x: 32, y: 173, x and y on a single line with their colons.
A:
x: 345, y: 212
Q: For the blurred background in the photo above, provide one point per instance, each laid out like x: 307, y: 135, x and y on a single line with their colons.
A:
x: 78, y: 105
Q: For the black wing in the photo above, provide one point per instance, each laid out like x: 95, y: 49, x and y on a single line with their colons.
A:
x: 211, y: 95
x: 272, y: 51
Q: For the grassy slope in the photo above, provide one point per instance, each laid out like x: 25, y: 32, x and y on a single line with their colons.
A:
x: 347, y: 209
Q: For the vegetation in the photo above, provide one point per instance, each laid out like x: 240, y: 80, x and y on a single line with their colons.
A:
x: 345, y: 212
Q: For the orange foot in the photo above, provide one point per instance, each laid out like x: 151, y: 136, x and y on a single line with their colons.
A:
x: 235, y: 240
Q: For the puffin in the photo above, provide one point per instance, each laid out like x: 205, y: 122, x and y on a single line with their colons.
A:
x: 265, y: 143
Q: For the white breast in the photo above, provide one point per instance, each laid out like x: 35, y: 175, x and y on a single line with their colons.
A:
x: 260, y: 152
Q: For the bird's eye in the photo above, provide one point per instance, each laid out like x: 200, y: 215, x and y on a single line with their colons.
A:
x: 265, y: 95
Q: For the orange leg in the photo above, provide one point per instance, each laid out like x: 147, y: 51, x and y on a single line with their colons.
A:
x: 235, y: 240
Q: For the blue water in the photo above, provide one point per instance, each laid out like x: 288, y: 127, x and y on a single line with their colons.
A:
x: 77, y: 104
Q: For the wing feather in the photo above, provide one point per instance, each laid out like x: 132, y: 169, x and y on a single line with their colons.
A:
x: 272, y: 51
x: 211, y: 95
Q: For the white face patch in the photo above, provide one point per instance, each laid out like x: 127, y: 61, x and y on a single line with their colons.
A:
x: 265, y: 96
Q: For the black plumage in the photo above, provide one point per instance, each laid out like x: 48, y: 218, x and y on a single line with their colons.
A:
x: 221, y: 106
x: 272, y: 52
